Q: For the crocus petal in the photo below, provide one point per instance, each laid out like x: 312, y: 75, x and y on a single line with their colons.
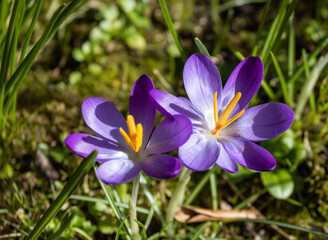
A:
x: 84, y: 144
x: 201, y: 80
x: 225, y: 162
x: 170, y: 105
x: 262, y: 122
x: 141, y: 107
x: 246, y: 79
x: 200, y: 152
x: 186, y: 101
x: 248, y: 154
x: 170, y: 134
x: 118, y: 171
x: 103, y: 118
x: 161, y: 166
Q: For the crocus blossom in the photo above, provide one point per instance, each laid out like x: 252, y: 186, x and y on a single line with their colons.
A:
x: 124, y: 147
x: 224, y: 130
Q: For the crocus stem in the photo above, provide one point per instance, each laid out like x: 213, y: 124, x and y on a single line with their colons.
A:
x: 132, y: 208
x: 176, y: 199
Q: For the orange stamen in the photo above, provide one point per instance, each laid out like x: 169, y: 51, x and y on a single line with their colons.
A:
x: 134, y: 139
x: 222, y: 121
x: 215, y: 101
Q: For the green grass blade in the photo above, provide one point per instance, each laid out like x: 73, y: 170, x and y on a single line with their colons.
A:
x: 282, y: 80
x: 82, y: 233
x: 309, y: 86
x: 148, y: 220
x: 14, y: 226
x: 58, y: 18
x: 307, y: 75
x: 323, y: 92
x: 262, y: 24
x: 65, y: 14
x: 272, y: 35
x: 238, y: 54
x: 277, y: 29
x: 288, y: 15
x: 111, y: 202
x: 280, y: 224
x: 200, y: 186
x: 16, y: 79
x: 120, y: 228
x: 214, y: 191
x: 4, y: 7
x: 151, y: 199
x: 177, y: 199
x: 234, y: 3
x: 217, y: 230
x: 202, y: 47
x: 64, y: 224
x: 117, y: 199
x: 23, y: 68
x: 312, y: 60
x: 100, y: 200
x: 36, y: 11
x: 268, y: 90
x: 250, y: 199
x: 5, y: 62
x: 69, y: 188
x: 14, y: 42
x: 201, y: 230
x: 291, y: 56
x: 173, y: 32
x: 305, y: 64
x: 281, y: 26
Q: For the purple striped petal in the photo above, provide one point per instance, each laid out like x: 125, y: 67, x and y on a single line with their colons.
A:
x: 84, y: 144
x: 170, y: 134
x: 262, y: 122
x: 246, y: 79
x: 170, y: 105
x: 103, y: 118
x: 225, y: 162
x: 161, y: 166
x: 248, y: 154
x: 141, y: 107
x: 118, y: 171
x: 200, y: 152
x: 201, y: 80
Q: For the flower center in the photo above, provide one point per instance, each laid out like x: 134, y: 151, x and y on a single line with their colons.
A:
x: 134, y: 139
x: 222, y: 121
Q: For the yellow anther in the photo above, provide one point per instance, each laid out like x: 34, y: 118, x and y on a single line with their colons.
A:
x: 127, y: 138
x: 229, y: 108
x: 139, y: 137
x: 234, y: 118
x: 134, y: 139
x: 131, y: 124
x: 215, y: 101
x: 222, y: 121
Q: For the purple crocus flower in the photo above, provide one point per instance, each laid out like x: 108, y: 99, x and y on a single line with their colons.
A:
x: 124, y: 147
x: 224, y: 130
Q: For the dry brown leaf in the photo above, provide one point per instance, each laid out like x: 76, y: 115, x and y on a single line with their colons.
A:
x: 190, y: 214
